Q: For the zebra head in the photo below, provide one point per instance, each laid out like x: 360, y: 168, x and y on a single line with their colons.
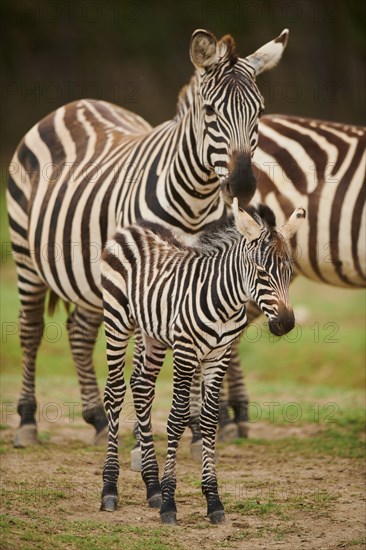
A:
x: 268, y: 264
x: 228, y: 107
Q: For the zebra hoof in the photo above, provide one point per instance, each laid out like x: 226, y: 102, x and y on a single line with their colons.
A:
x: 136, y: 460
x: 25, y: 436
x: 196, y: 451
x: 155, y: 501
x: 109, y: 503
x: 228, y: 432
x: 217, y: 517
x: 243, y: 429
x: 101, y: 438
x: 169, y: 518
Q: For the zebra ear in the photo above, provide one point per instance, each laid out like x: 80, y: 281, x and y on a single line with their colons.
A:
x: 203, y: 49
x: 244, y: 222
x: 293, y: 223
x: 268, y: 55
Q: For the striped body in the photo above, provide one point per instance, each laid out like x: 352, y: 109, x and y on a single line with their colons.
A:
x: 90, y: 166
x: 321, y: 165
x: 191, y: 299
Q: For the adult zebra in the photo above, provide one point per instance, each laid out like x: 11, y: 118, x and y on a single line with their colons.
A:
x: 192, y: 299
x: 90, y: 165
x: 322, y: 165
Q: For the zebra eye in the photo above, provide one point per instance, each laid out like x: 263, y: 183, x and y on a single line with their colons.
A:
x: 262, y: 273
x: 210, y: 111
x: 261, y: 112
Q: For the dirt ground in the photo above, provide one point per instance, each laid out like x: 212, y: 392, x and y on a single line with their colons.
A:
x: 277, y: 500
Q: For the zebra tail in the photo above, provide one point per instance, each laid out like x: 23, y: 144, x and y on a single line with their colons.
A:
x: 53, y: 299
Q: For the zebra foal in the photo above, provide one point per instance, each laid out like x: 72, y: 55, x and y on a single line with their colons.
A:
x: 191, y: 299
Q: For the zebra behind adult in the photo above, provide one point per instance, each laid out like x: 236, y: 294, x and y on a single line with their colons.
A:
x: 321, y: 165
x: 191, y: 299
x: 91, y: 165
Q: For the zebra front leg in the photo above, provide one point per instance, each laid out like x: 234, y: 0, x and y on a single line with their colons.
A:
x: 113, y: 400
x: 83, y: 326
x: 136, y: 460
x: 194, y: 420
x: 143, y: 390
x: 213, y: 374
x: 185, y: 363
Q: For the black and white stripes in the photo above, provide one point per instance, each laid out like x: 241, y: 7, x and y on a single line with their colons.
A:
x: 191, y: 299
x: 91, y: 165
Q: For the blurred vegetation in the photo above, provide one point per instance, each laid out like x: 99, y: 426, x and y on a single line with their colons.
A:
x: 135, y: 53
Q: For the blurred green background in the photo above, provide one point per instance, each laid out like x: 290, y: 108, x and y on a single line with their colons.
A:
x: 135, y: 53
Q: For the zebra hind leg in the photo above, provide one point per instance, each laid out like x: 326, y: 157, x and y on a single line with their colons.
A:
x: 31, y: 331
x: 32, y: 294
x: 83, y: 326
x: 143, y: 390
x: 238, y: 396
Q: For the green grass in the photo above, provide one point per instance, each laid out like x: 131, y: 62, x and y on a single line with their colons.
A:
x: 87, y: 534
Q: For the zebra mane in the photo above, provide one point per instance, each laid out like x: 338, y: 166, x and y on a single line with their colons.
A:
x: 163, y: 232
x: 219, y: 234
x: 185, y: 97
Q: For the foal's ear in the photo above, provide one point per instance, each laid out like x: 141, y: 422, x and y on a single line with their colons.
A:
x: 268, y: 55
x: 203, y: 49
x: 245, y: 223
x: 293, y: 223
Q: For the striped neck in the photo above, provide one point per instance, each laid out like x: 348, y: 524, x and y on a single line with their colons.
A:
x: 189, y: 190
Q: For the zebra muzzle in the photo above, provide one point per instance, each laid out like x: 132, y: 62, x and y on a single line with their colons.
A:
x: 241, y: 181
x: 283, y: 323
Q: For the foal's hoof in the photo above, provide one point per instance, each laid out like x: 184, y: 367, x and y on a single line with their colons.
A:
x: 155, y: 501
x: 196, y: 451
x: 101, y: 438
x: 243, y: 429
x: 169, y: 518
x: 26, y: 436
x: 217, y: 517
x: 136, y: 460
x: 227, y: 433
x: 109, y: 503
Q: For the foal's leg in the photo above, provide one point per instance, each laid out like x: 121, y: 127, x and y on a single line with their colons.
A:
x: 213, y: 374
x: 138, y: 355
x: 117, y: 341
x: 83, y: 326
x: 143, y: 390
x: 194, y: 419
x: 185, y: 363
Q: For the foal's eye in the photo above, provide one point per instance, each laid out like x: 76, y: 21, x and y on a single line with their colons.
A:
x: 209, y: 110
x: 261, y: 112
x: 262, y: 273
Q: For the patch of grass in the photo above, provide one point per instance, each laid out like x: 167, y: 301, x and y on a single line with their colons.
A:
x: 85, y: 534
